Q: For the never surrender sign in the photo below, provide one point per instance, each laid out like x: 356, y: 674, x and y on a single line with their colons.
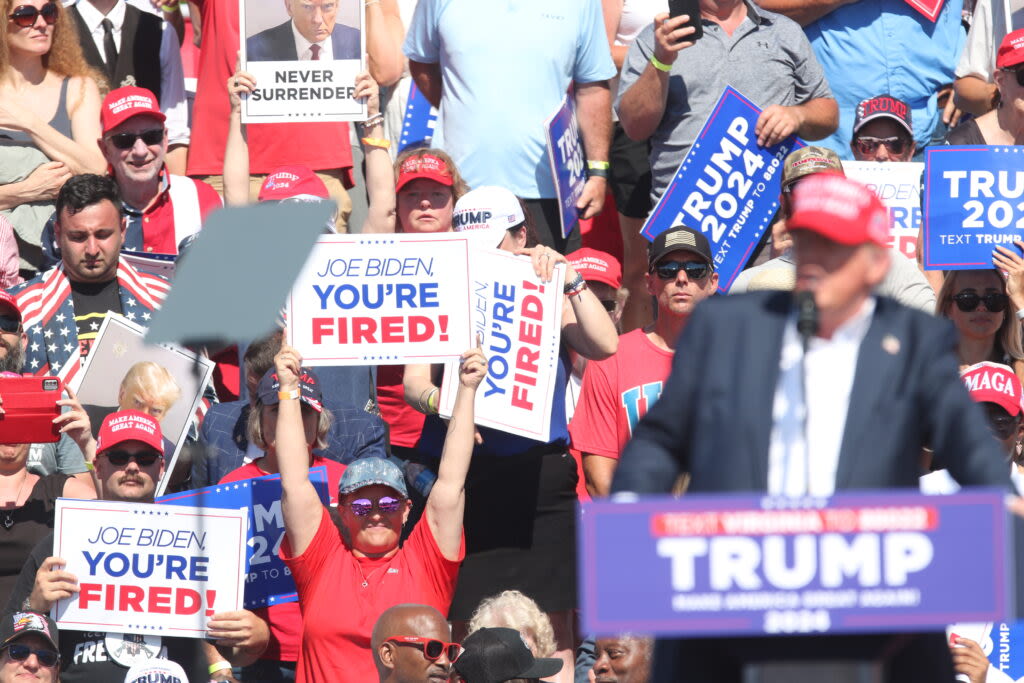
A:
x: 727, y: 186
x: 146, y: 568
x: 973, y: 201
x: 385, y: 300
x: 741, y: 565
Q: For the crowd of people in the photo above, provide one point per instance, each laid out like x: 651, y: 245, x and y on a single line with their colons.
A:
x: 447, y: 551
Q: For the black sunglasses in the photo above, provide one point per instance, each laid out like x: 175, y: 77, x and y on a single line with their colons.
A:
x: 432, y: 648
x: 9, y: 324
x: 121, y: 458
x: 1003, y: 425
x: 609, y: 305
x: 153, y: 136
x: 968, y: 301
x: 19, y: 653
x: 1019, y: 73
x: 364, y: 506
x: 26, y: 15
x: 868, y: 145
x: 670, y: 270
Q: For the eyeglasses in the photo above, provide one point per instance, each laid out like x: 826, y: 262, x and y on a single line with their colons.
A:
x: 364, y: 506
x: 868, y: 145
x: 693, y: 270
x: 153, y: 136
x: 1019, y: 73
x: 20, y: 653
x: 609, y: 305
x: 9, y: 324
x: 432, y: 648
x: 968, y: 301
x: 121, y: 458
x: 26, y: 15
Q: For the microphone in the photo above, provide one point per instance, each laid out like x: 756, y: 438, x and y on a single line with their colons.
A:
x: 806, y: 316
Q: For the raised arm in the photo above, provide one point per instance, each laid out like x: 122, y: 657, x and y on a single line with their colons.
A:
x: 447, y: 501
x: 420, y: 390
x: 236, y: 149
x: 384, y: 35
x: 300, y: 504
x: 380, y: 175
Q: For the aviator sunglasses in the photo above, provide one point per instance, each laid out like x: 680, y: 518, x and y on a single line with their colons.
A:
x: 153, y: 136
x: 19, y: 653
x: 868, y: 145
x: 693, y: 270
x: 364, y: 506
x: 432, y: 648
x: 968, y: 301
x: 121, y: 458
x: 26, y: 15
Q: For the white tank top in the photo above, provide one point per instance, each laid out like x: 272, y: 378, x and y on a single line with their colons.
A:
x: 636, y: 14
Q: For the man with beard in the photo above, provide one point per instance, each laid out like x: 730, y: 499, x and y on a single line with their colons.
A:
x: 410, y: 645
x: 64, y: 456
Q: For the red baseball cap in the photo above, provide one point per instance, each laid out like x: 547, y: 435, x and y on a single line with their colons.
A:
x: 289, y: 182
x: 10, y: 302
x: 839, y: 209
x: 124, y: 103
x: 994, y: 383
x: 1011, y: 50
x: 426, y: 166
x: 129, y: 425
x: 598, y: 266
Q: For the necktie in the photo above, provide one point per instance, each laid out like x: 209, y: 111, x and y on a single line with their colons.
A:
x: 315, y: 49
x: 109, y: 49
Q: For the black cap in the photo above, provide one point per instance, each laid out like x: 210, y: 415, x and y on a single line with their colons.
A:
x: 679, y: 238
x: 18, y: 624
x: 494, y: 655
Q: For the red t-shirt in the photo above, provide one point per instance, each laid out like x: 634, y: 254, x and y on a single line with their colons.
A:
x: 285, y: 620
x: 317, y: 145
x: 339, y: 613
x: 405, y: 423
x: 625, y: 385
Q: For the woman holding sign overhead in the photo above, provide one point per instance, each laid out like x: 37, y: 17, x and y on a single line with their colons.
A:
x: 521, y: 493
x: 348, y: 571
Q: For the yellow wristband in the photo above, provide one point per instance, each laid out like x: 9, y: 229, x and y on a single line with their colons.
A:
x: 598, y: 165
x: 218, y: 666
x: 659, y: 65
x: 287, y: 395
x: 377, y: 142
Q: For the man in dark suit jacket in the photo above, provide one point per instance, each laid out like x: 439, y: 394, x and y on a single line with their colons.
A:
x: 303, y: 36
x: 882, y: 383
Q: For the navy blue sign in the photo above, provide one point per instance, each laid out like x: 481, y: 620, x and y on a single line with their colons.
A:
x: 973, y: 201
x: 419, y: 120
x: 268, y: 581
x: 747, y: 565
x: 565, y: 152
x: 727, y: 186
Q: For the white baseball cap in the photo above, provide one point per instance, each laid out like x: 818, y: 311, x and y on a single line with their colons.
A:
x: 488, y: 213
x: 156, y: 670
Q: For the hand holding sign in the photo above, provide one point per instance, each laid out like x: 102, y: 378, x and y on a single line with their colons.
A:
x: 776, y: 123
x: 52, y: 584
x: 240, y: 83
x: 368, y: 91
x: 239, y: 629
x: 75, y: 423
x: 969, y: 659
x: 288, y: 364
x: 473, y: 368
x: 1010, y: 262
x: 544, y: 260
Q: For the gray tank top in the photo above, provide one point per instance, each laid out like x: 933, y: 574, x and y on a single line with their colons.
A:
x: 60, y: 122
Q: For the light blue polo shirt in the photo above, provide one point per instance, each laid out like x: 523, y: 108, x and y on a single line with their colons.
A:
x: 505, y: 66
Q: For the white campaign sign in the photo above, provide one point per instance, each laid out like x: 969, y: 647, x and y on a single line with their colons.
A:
x: 519, y: 319
x: 898, y: 185
x: 382, y: 300
x: 149, y: 569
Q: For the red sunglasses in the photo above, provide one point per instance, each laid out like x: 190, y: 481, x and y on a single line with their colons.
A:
x: 432, y: 648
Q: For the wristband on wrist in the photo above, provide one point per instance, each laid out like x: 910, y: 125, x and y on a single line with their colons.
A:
x: 372, y: 121
x: 171, y: 7
x: 660, y: 65
x: 380, y: 143
x: 1020, y: 314
x: 218, y: 666
x: 575, y: 284
x: 598, y: 165
x: 288, y: 395
x: 597, y: 173
x: 432, y: 401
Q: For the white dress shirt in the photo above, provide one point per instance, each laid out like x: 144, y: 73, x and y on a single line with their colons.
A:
x: 172, y: 77
x: 302, y: 47
x: 830, y: 367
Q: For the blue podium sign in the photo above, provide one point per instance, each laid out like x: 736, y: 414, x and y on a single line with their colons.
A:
x: 746, y: 565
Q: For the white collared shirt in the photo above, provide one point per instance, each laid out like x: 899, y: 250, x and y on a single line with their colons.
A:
x: 302, y: 46
x: 830, y: 368
x: 94, y: 23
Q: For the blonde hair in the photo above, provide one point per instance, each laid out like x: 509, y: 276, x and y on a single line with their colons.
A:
x: 512, y: 609
x: 1008, y: 337
x: 459, y: 186
x: 149, y: 381
x: 254, y: 427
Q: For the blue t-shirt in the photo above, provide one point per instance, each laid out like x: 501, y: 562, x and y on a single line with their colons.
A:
x: 878, y: 47
x: 506, y: 66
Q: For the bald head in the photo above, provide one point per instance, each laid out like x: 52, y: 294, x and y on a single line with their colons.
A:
x: 406, y: 662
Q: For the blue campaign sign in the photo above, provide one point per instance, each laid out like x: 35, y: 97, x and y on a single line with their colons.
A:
x: 749, y: 565
x: 972, y: 202
x: 268, y: 581
x: 565, y: 152
x: 419, y: 120
x: 727, y: 186
x: 1004, y: 646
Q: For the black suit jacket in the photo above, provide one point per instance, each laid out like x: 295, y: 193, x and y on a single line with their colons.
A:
x: 278, y: 44
x: 714, y: 417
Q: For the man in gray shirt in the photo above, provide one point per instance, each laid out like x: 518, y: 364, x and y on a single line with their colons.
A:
x: 670, y: 83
